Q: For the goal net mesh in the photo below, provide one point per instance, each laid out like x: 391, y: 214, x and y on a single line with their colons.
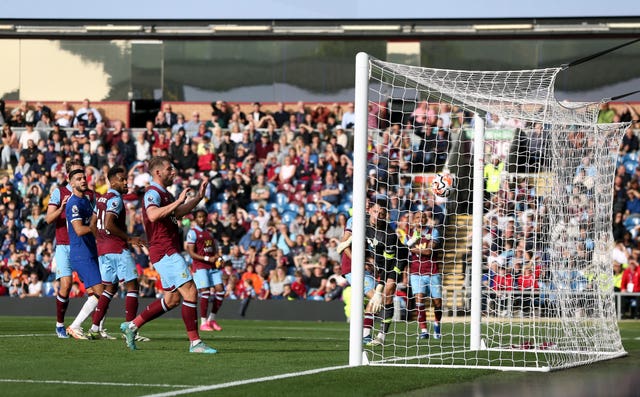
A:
x: 547, y: 287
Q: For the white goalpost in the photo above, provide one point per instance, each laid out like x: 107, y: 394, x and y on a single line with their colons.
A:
x: 514, y: 236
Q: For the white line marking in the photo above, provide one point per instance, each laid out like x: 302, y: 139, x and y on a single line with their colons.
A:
x: 26, y: 335
x: 245, y: 382
x: 70, y: 382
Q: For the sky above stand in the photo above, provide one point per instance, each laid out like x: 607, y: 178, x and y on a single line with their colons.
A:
x: 325, y: 9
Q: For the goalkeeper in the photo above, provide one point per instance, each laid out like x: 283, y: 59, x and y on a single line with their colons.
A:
x: 389, y: 263
x: 202, y: 248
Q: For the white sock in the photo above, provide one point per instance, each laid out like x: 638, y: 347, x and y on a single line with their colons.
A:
x: 88, y: 308
x: 203, y: 320
x: 102, y: 323
x: 195, y: 342
x: 94, y: 328
x: 212, y: 316
x: 59, y: 324
x: 366, y: 332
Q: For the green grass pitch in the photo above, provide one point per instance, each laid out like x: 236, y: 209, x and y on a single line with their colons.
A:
x: 36, y: 363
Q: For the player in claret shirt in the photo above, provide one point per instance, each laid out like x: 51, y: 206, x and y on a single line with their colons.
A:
x: 115, y: 260
x: 161, y: 213
x: 201, y: 246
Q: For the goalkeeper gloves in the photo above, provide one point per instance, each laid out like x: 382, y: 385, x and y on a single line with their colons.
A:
x: 219, y: 262
x: 414, y: 238
x: 377, y: 300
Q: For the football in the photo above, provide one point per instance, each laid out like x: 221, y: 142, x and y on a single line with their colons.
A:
x: 442, y: 185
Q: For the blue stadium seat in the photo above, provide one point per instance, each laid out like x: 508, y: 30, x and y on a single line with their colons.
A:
x: 288, y: 217
x: 273, y: 189
x: 282, y: 200
x: 217, y: 206
x: 633, y: 156
x: 253, y: 206
x: 630, y: 166
x: 347, y: 197
x: 344, y: 207
x: 293, y: 207
x: 631, y: 222
x: 310, y: 208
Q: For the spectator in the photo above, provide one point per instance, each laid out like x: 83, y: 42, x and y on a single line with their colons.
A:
x: 348, y: 117
x: 33, y: 287
x: 277, y: 283
x: 127, y: 149
x: 85, y: 110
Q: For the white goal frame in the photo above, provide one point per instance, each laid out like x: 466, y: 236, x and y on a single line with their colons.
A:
x: 357, y: 355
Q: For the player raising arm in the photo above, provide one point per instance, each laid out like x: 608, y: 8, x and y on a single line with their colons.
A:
x: 161, y: 212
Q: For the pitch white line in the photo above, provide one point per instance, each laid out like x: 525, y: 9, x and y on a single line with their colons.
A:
x: 70, y: 382
x: 244, y: 382
x: 26, y: 335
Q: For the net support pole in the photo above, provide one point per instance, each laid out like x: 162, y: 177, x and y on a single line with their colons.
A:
x: 359, y: 197
x: 476, y: 244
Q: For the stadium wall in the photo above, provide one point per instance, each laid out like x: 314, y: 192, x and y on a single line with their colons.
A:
x: 279, y: 310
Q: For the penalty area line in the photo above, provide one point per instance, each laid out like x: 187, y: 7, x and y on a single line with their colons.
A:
x: 245, y: 382
x: 72, y: 382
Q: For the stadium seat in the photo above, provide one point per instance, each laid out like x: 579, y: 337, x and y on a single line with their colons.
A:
x: 633, y: 156
x: 217, y: 206
x: 344, y: 207
x: 310, y: 208
x: 253, y: 206
x: 282, y: 200
x: 632, y: 221
x: 288, y: 217
x: 272, y: 190
x: 293, y: 207
x: 630, y: 166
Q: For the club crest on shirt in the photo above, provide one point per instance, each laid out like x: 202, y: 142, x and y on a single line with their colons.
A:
x: 75, y: 210
x: 114, y: 204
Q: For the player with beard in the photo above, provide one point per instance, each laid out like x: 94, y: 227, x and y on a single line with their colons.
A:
x: 56, y: 213
x: 161, y: 213
x: 83, y: 252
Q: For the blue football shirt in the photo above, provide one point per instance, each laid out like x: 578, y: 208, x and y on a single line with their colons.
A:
x: 79, y: 209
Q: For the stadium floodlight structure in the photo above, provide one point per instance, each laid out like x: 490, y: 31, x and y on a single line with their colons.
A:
x: 539, y: 293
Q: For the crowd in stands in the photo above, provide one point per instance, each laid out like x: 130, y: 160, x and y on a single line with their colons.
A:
x: 518, y: 216
x: 279, y: 191
x: 278, y: 195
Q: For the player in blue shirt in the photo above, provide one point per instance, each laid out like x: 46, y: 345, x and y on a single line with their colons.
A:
x: 81, y: 223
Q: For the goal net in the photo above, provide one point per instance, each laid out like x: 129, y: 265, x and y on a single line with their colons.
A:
x: 500, y: 201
